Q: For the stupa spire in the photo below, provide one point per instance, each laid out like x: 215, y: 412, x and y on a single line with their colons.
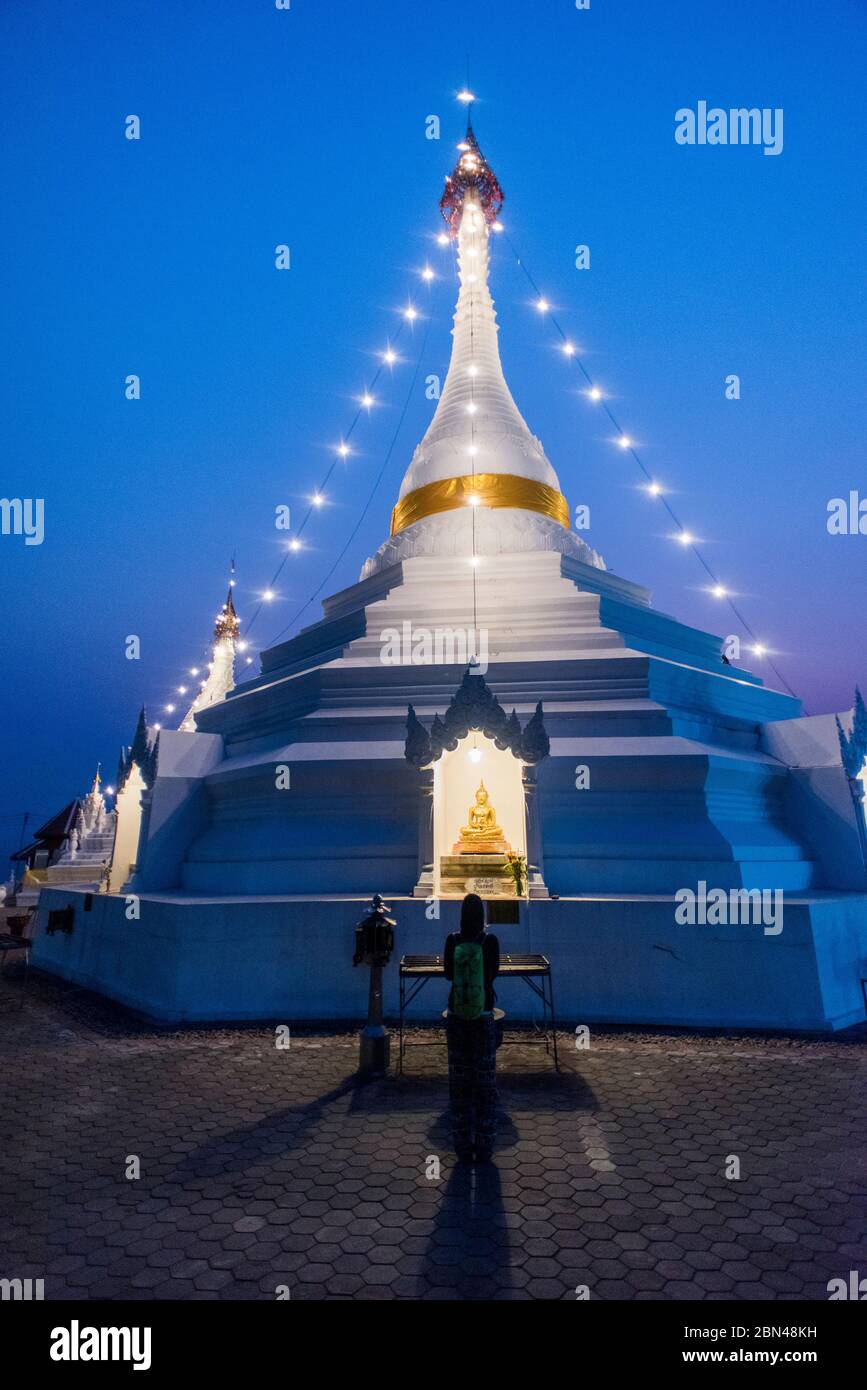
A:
x: 479, y: 482
x: 478, y: 444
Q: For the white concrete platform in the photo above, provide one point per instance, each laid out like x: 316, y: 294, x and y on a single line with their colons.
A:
x: 614, y: 959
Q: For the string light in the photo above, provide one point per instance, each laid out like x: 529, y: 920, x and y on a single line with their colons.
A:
x: 268, y: 595
x: 389, y: 356
x: 182, y: 690
x: 543, y: 306
x: 569, y: 349
x: 367, y: 400
x: 194, y: 670
x: 410, y: 314
x: 442, y: 239
x: 466, y: 97
x: 593, y: 393
x: 427, y: 273
x: 294, y: 544
x: 343, y: 450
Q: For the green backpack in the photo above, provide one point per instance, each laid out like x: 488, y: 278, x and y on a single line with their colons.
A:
x: 468, y: 980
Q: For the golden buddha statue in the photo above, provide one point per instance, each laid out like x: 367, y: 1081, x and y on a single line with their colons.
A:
x: 482, y: 834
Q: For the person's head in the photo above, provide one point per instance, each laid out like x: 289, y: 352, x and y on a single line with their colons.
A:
x: 472, y: 915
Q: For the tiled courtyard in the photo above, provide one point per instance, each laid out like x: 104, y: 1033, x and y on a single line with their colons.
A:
x: 265, y: 1167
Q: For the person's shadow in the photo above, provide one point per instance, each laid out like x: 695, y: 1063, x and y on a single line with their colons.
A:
x: 468, y: 1251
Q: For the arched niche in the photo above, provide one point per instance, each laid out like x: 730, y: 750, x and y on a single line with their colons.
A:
x: 456, y: 776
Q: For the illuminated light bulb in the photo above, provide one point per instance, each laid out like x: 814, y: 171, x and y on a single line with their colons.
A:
x: 473, y: 450
x: 594, y: 393
x: 686, y: 538
x: 474, y: 561
x: 294, y: 545
x: 462, y: 145
x: 389, y: 356
x: 242, y: 646
x: 473, y: 370
x: 410, y: 313
x: 719, y: 591
x: 654, y: 489
x: 472, y: 408
x: 569, y: 349
x: 343, y: 450
x: 542, y: 305
x: 109, y: 791
x: 182, y: 690
x: 170, y: 709
x: 317, y: 499
x: 625, y: 442
x: 471, y: 279
x: 367, y: 400
x: 231, y: 583
x: 268, y: 595
x: 498, y: 227
x: 475, y: 755
x: 443, y: 239
x: 249, y: 661
x: 158, y: 726
x: 194, y: 670
x: 471, y: 251
x: 427, y: 273
x: 759, y: 648
x: 474, y: 499
x: 466, y: 96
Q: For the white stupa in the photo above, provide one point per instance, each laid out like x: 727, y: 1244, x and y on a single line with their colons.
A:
x: 622, y: 762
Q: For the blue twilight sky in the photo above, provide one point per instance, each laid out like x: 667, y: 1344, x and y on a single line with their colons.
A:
x: 261, y: 126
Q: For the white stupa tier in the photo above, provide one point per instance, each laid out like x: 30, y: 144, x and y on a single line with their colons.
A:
x: 311, y: 785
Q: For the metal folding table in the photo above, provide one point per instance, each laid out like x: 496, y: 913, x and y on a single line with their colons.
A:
x: 534, y: 970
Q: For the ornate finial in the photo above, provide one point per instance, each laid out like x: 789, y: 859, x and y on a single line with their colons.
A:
x: 227, y: 624
x: 97, y: 780
x: 471, y: 171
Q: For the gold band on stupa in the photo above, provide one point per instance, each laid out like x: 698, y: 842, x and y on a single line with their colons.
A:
x: 490, y: 490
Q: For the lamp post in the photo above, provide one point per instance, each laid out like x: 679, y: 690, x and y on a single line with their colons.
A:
x: 374, y: 942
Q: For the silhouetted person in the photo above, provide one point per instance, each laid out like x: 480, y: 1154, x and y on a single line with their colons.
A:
x: 472, y: 963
